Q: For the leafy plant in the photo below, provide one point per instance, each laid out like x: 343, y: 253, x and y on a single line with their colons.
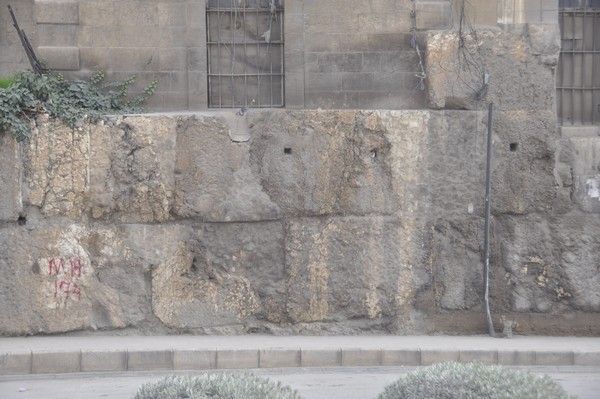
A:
x: 472, y: 381
x: 6, y: 81
x: 69, y: 101
x: 234, y: 386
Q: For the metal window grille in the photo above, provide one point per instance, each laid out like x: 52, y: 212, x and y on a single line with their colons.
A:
x: 578, y: 73
x: 245, y: 53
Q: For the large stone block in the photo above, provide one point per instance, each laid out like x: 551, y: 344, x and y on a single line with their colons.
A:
x: 57, y: 35
x: 136, y: 13
x: 223, y: 275
x: 523, y: 161
x: 57, y: 11
x: 96, y: 13
x: 314, y: 163
x: 63, y: 277
x: 60, y: 58
x: 212, y: 150
x: 56, y: 171
x: 550, y: 263
x: 498, y: 67
x: 375, y: 275
x: 433, y: 14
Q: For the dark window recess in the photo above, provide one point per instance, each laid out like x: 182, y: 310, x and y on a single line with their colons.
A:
x: 569, y: 3
x: 287, y: 150
x: 513, y: 147
x: 245, y: 53
x: 579, y: 3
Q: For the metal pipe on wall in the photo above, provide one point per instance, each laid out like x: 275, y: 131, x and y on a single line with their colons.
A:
x: 486, y: 239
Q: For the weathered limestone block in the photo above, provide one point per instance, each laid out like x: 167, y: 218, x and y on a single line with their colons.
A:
x: 214, y: 181
x: 456, y: 263
x: 577, y: 241
x: 225, y: 275
x: 520, y: 73
x: 545, y: 41
x: 551, y: 263
x: 11, y: 204
x: 407, y: 133
x: 353, y: 268
x: 56, y: 167
x: 324, y: 163
x: 455, y: 170
x: 531, y: 277
x: 64, y: 277
x: 523, y: 161
x: 132, y: 170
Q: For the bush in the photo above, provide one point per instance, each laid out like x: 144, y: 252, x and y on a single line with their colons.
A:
x: 6, y: 81
x: 230, y: 386
x: 69, y: 101
x: 472, y: 381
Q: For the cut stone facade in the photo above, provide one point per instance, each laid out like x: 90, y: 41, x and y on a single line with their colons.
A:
x: 337, y: 53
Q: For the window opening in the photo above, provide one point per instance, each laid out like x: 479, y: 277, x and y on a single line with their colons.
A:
x: 578, y: 72
x: 245, y: 53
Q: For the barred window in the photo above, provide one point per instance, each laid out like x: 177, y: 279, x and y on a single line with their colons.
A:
x: 245, y: 53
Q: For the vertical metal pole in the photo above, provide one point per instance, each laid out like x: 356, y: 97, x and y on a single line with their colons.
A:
x: 486, y: 239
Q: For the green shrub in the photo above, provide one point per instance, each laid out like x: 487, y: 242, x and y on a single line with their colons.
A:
x: 472, y: 381
x: 230, y: 386
x: 69, y: 101
x: 6, y: 81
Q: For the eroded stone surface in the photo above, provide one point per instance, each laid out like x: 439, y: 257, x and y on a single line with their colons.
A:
x: 520, y: 73
x: 321, y: 222
x: 63, y: 277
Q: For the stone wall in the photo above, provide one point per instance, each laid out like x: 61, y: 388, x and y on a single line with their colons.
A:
x: 294, y: 222
x: 338, y: 54
x: 314, y: 221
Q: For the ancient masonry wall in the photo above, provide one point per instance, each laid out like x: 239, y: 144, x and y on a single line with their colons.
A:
x: 312, y: 221
x: 296, y: 222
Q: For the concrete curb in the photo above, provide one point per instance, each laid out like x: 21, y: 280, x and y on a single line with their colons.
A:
x: 47, y: 362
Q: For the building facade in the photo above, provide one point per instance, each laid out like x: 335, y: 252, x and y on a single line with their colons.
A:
x: 254, y: 53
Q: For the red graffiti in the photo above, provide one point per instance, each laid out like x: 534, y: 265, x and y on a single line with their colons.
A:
x: 75, y: 267
x: 56, y: 265
x: 66, y: 271
x: 68, y: 289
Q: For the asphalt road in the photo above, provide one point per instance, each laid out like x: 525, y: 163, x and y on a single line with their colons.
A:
x: 311, y: 383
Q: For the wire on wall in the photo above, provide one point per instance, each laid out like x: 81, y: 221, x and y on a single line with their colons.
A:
x: 421, y: 75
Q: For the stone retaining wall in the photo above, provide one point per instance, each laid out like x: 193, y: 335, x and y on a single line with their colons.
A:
x: 292, y: 222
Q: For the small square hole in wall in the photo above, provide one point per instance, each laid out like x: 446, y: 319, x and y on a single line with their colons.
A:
x: 287, y: 150
x: 513, y: 147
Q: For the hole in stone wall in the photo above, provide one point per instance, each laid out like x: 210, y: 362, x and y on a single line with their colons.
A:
x: 287, y: 150
x: 22, y: 220
x: 513, y: 146
x: 374, y: 153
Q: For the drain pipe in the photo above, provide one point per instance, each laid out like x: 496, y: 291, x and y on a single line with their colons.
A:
x: 486, y: 239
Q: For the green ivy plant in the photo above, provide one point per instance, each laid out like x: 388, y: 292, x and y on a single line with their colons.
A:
x: 69, y: 101
x: 6, y: 81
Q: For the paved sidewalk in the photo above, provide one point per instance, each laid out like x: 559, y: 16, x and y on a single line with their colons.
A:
x: 72, y: 354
